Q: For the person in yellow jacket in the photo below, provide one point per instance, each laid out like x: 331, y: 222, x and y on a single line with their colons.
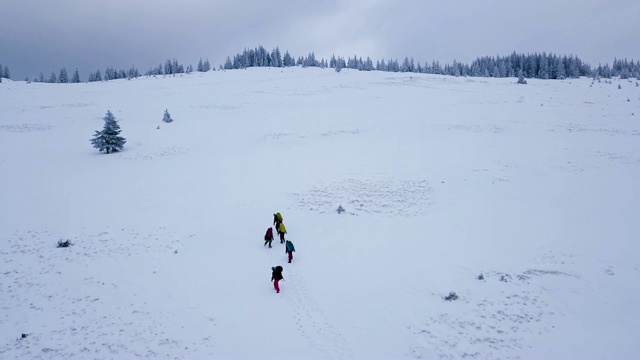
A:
x: 277, y: 219
x: 282, y: 230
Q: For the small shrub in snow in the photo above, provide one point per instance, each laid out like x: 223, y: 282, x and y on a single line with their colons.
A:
x: 340, y: 209
x: 452, y: 296
x: 167, y: 118
x: 503, y: 278
x: 521, y: 79
x: 64, y: 243
x: 108, y: 139
x: 480, y: 277
x: 619, y: 87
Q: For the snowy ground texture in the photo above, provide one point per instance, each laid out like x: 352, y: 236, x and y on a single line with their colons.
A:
x: 521, y: 199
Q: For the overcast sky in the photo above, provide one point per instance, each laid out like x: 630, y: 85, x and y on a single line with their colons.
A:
x: 45, y: 35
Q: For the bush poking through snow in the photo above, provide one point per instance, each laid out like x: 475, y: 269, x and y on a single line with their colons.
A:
x: 340, y: 209
x: 480, y: 277
x: 452, y: 296
x: 521, y: 79
x: 167, y: 117
x: 619, y: 87
x: 64, y: 243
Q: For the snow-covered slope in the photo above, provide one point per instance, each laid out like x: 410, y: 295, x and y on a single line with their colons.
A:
x: 443, y: 179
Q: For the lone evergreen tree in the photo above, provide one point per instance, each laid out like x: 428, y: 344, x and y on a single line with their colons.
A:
x: 167, y: 118
x: 108, y: 139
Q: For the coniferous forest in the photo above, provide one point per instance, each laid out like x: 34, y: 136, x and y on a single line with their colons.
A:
x: 533, y: 65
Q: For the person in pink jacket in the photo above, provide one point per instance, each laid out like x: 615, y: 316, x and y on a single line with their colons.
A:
x: 268, y: 237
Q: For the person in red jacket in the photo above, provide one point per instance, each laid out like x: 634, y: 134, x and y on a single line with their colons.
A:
x: 268, y: 237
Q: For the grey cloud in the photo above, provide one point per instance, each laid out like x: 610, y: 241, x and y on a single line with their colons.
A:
x: 89, y: 34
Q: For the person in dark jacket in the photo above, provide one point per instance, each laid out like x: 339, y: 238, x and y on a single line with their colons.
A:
x: 268, y: 237
x: 277, y: 219
x: 289, y: 249
x: 276, y: 276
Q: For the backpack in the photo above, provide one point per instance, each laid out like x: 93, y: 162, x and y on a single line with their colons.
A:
x: 289, y: 246
x: 279, y: 216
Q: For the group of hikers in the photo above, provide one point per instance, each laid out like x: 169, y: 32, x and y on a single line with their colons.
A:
x: 276, y: 271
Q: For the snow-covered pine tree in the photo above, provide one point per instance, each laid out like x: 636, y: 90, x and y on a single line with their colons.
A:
x: 6, y: 74
x: 76, y: 77
x: 167, y: 117
x: 63, y: 77
x: 109, y: 139
x: 228, y: 64
x: 521, y: 79
x: 543, y: 68
x: 133, y: 72
x: 368, y: 64
x: 287, y: 60
x: 406, y: 66
x: 560, y: 72
x: 276, y: 56
x: 53, y: 78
